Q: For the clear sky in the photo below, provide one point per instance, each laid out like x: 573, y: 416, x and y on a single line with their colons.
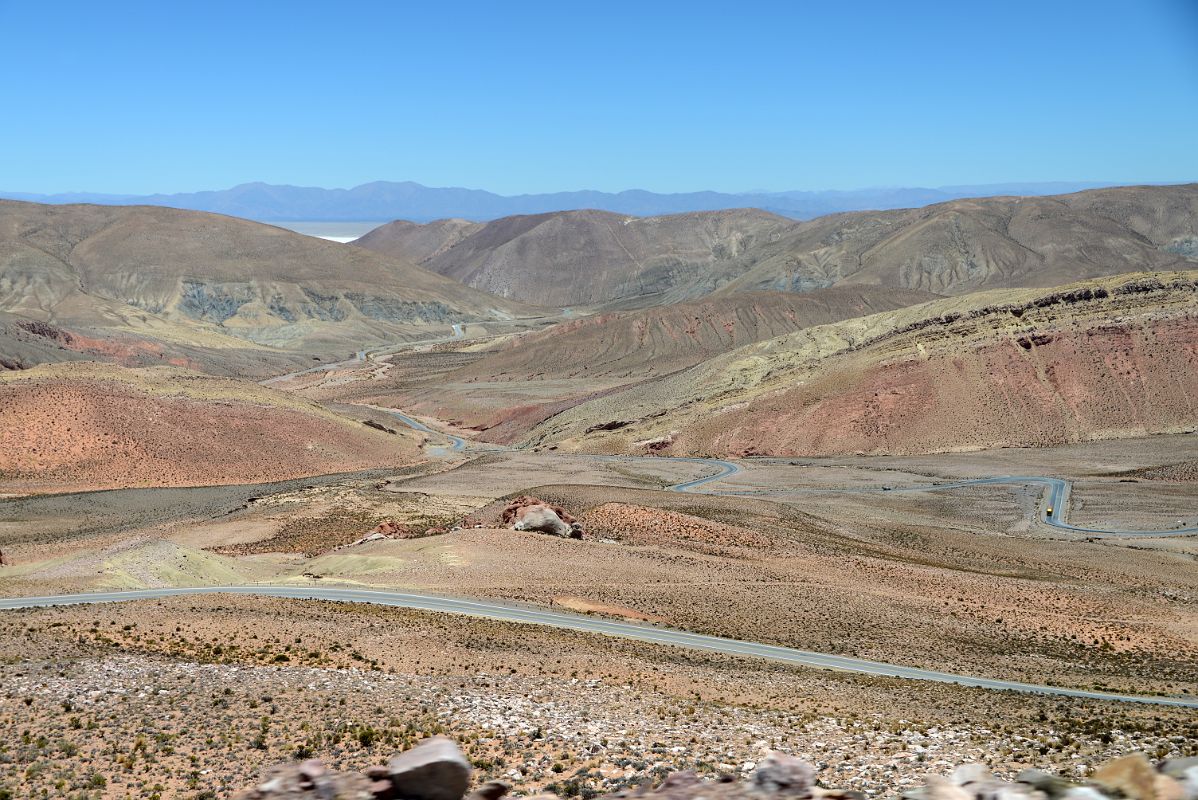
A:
x: 131, y: 97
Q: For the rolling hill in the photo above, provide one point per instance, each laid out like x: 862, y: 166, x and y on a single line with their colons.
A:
x: 996, y: 242
x: 187, y: 279
x: 657, y: 341
x: 69, y: 427
x: 1104, y: 358
x: 585, y: 258
x: 591, y: 258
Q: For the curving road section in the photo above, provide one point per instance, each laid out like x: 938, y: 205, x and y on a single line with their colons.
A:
x: 578, y: 622
x: 724, y: 469
x: 1056, y: 494
x: 456, y: 443
x: 1056, y: 489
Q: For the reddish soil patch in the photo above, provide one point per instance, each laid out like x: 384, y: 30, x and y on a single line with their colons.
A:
x: 75, y: 433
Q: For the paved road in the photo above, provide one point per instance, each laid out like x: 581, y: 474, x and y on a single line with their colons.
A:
x: 1056, y: 495
x: 578, y: 622
x: 456, y: 443
x: 724, y: 469
x: 1057, y: 490
x: 362, y: 355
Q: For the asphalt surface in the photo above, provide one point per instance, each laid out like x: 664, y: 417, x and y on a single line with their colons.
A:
x: 456, y: 443
x: 724, y: 469
x: 1056, y: 497
x: 578, y: 622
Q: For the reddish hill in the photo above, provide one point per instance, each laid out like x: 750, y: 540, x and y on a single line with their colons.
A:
x: 67, y: 427
x: 657, y: 341
x: 1100, y: 359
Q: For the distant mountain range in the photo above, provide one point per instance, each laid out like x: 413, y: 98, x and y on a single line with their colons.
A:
x: 384, y: 201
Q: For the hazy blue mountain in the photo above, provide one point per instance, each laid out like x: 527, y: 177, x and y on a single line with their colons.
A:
x: 383, y: 200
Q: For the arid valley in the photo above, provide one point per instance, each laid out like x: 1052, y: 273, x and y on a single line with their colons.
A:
x: 599, y: 401
x: 935, y: 503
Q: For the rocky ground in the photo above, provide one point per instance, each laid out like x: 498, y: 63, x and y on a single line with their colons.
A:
x: 194, y: 698
x: 436, y: 769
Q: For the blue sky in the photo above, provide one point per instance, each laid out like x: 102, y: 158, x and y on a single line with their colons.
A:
x: 514, y: 97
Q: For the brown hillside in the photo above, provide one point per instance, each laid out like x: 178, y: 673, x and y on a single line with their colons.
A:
x: 1101, y: 359
x: 592, y: 258
x: 989, y: 243
x: 585, y: 258
x: 195, y: 278
x: 69, y: 427
x: 416, y: 243
x: 657, y: 341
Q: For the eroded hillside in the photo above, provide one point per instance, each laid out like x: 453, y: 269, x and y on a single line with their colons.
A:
x: 589, y: 258
x: 1098, y: 359
x: 657, y: 341
x: 165, y: 274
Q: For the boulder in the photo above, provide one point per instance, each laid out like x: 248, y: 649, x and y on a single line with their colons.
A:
x: 783, y: 774
x: 1132, y: 775
x: 491, y: 790
x: 526, y: 513
x: 542, y: 519
x: 308, y: 780
x: 1051, y: 785
x: 940, y: 788
x: 435, y: 769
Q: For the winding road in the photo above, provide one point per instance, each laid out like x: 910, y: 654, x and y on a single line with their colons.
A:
x: 1056, y: 496
x: 606, y: 627
x: 456, y: 443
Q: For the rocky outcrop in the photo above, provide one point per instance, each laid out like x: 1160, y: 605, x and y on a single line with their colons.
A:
x: 1132, y: 777
x: 433, y: 770
x: 392, y: 529
x: 526, y: 513
x: 437, y: 770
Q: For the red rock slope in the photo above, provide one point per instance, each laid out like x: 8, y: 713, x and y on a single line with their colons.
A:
x: 1100, y: 359
x: 88, y: 426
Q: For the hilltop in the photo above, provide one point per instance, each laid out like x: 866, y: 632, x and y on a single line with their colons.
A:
x: 584, y: 258
x: 593, y: 258
x: 987, y: 243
